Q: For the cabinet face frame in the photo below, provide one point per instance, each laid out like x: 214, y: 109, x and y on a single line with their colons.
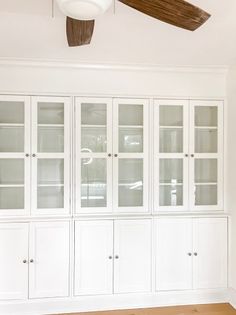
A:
x: 102, y: 155
x: 21, y: 155
x: 144, y: 155
x: 64, y: 155
x: 157, y: 155
x: 219, y: 156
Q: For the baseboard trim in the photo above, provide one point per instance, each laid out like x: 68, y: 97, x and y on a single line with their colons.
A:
x: 115, y: 302
x: 232, y: 297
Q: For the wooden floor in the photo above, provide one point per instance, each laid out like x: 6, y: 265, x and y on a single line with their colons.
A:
x: 213, y: 309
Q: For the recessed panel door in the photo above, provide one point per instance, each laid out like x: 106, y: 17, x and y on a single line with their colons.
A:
x: 13, y: 261
x: 49, y: 255
x: 93, y: 257
x: 132, y: 256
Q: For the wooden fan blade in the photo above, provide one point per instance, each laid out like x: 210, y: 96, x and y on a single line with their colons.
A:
x: 79, y: 32
x: 176, y: 12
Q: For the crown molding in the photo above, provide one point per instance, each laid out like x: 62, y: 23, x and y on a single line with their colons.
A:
x: 45, y: 63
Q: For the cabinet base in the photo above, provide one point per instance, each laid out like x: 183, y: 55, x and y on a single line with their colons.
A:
x: 115, y: 302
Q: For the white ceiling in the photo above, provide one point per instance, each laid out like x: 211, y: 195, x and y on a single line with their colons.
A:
x: 27, y: 30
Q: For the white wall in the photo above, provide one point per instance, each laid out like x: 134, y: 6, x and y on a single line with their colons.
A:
x: 231, y: 171
x: 48, y: 78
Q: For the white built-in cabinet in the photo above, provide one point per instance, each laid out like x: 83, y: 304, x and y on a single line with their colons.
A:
x: 34, y: 155
x: 81, y: 191
x: 190, y: 253
x: 111, y: 155
x: 188, y: 155
x: 112, y: 256
x: 34, y: 260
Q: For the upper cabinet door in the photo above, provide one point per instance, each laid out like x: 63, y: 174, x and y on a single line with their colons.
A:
x: 171, y: 155
x: 130, y: 158
x: 206, y: 155
x: 50, y: 155
x: 93, y: 155
x: 14, y: 155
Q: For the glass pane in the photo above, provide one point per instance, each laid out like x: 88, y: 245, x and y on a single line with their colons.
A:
x: 93, y: 139
x: 171, y: 171
x: 130, y: 115
x: 11, y: 112
x: 93, y: 182
x: 12, y: 198
x: 50, y: 197
x: 205, y: 140
x: 171, y: 140
x: 50, y: 139
x: 130, y: 183
x: 206, y: 195
x: 50, y: 113
x: 171, y: 195
x: 11, y: 139
x: 11, y: 171
x: 205, y: 170
x: 130, y: 140
x: 206, y: 116
x: 171, y: 115
x: 50, y: 171
x: 93, y: 114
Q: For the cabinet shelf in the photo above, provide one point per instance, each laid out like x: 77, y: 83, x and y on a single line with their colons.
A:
x: 50, y: 185
x: 171, y: 127
x: 131, y: 126
x: 93, y: 126
x: 11, y: 125
x: 171, y: 184
x: 12, y: 185
x: 51, y: 125
x: 206, y: 183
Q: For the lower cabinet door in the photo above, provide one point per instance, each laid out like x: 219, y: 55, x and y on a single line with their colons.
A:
x: 49, y: 259
x: 93, y: 257
x: 132, y: 256
x: 13, y: 261
x: 173, y: 250
x: 210, y: 253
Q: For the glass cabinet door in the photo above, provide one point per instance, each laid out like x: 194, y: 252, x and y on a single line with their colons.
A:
x: 130, y: 161
x: 206, y: 155
x: 14, y: 155
x: 170, y: 155
x: 94, y: 155
x: 50, y: 155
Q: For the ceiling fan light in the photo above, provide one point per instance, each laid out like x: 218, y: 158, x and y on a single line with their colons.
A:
x: 84, y: 9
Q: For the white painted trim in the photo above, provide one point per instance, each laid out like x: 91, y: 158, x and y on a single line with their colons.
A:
x: 232, y: 297
x: 111, y: 302
x: 60, y: 63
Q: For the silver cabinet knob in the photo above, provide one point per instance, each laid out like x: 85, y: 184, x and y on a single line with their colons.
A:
x: 27, y: 155
x: 186, y: 155
x: 195, y: 254
x: 31, y: 261
x: 109, y: 154
x: 116, y: 257
x: 192, y: 155
x: 34, y: 155
x: 115, y: 155
x: 110, y: 257
x: 189, y: 254
x: 24, y: 261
